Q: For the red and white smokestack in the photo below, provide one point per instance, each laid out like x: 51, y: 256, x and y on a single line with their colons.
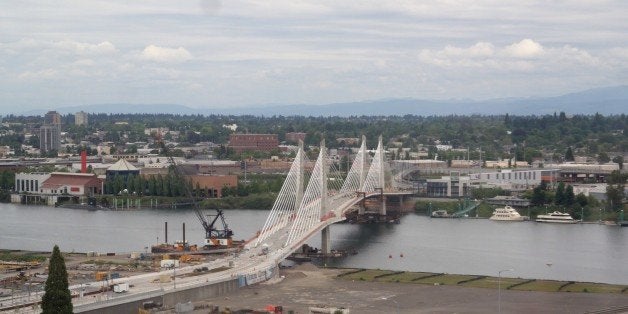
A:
x: 83, y: 162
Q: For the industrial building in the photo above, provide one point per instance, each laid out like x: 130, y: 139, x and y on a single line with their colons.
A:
x: 514, y: 179
x: 511, y: 180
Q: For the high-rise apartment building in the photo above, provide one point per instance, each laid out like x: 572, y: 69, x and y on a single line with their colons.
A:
x: 52, y: 117
x: 50, y: 132
x: 49, y: 137
x: 80, y: 118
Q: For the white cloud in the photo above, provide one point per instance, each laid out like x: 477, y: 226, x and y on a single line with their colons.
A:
x: 81, y: 48
x: 164, y: 54
x: 243, y: 52
x: 525, y: 55
x: 526, y: 48
x: 38, y: 75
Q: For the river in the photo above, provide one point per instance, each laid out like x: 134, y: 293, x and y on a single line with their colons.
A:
x: 579, y: 252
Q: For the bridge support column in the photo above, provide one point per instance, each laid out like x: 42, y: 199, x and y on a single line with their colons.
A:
x: 382, y: 210
x: 326, y: 240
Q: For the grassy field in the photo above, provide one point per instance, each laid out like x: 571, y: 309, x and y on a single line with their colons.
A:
x: 479, y: 281
x: 403, y: 277
x: 493, y: 283
x: 7, y: 255
x: 444, y: 279
x: 541, y: 285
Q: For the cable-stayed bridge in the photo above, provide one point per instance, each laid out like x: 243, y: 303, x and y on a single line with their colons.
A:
x: 308, y: 202
x: 300, y: 211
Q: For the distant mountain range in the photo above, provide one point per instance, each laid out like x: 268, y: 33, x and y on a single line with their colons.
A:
x: 608, y: 100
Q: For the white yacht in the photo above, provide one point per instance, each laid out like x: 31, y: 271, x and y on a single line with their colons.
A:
x: 507, y: 214
x: 556, y: 217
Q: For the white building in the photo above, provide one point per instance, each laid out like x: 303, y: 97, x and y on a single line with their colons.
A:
x: 30, y: 182
x: 511, y: 179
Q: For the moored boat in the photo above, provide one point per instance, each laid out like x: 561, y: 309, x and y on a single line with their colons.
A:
x: 556, y: 217
x: 507, y: 214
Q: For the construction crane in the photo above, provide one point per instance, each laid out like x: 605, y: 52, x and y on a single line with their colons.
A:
x: 215, y: 237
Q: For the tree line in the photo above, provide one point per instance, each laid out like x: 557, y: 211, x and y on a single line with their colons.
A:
x: 528, y: 136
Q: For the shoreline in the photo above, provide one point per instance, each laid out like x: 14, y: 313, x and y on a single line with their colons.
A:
x: 416, y: 277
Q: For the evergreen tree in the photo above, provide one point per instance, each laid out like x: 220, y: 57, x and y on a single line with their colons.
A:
x: 603, y: 158
x: 582, y: 200
x: 620, y: 161
x: 152, y: 186
x: 569, y: 155
x: 570, y: 197
x: 57, y: 298
x: 559, y: 199
x: 538, y: 196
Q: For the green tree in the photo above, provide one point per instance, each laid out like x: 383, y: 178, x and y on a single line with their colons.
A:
x: 152, y: 186
x: 603, y: 158
x: 538, y: 196
x: 559, y: 199
x: 570, y: 197
x: 615, y: 189
x: 569, y: 154
x: 620, y: 161
x: 582, y: 200
x: 57, y: 298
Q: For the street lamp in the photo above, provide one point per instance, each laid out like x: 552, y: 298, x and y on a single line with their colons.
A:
x: 499, y: 288
x: 174, y: 276
x: 390, y: 298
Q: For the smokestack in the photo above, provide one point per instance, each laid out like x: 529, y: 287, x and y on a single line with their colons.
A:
x: 166, y: 230
x: 184, y: 234
x: 83, y: 162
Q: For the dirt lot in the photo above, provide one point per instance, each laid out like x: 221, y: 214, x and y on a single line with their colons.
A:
x: 305, y: 286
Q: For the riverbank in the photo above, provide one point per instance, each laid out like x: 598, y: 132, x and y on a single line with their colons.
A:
x: 306, y: 286
x: 262, y: 201
x: 484, y: 210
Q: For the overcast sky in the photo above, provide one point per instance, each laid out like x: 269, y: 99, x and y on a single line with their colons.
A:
x: 213, y: 53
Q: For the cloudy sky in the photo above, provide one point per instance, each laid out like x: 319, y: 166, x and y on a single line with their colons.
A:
x: 213, y: 53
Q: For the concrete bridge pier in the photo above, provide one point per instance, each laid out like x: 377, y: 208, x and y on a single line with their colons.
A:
x: 362, y: 205
x: 382, y: 209
x: 326, y: 240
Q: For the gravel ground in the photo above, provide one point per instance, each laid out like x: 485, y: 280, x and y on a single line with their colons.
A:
x: 306, y: 286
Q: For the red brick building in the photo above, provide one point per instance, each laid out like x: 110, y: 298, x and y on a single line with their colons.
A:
x: 211, y: 186
x: 253, y: 142
x: 294, y: 137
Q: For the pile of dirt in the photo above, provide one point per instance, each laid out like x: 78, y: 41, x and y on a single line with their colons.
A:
x: 295, y: 275
x: 306, y: 267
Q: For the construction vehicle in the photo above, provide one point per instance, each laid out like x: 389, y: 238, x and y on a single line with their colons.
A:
x: 215, y: 237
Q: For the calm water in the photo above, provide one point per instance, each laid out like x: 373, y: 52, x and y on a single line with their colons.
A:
x: 586, y: 252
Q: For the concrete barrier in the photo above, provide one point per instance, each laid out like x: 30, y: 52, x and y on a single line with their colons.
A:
x: 169, y: 299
